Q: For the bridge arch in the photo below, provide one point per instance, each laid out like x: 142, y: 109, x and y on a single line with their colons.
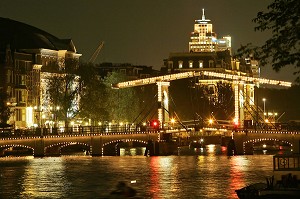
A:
x: 248, y: 145
x: 124, y: 140
x: 116, y: 147
x: 4, y: 149
x: 86, y: 148
x: 55, y: 149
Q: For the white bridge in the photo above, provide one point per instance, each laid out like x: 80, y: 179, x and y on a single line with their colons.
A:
x: 243, y: 86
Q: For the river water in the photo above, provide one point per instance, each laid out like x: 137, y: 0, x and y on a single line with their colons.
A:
x: 205, y: 176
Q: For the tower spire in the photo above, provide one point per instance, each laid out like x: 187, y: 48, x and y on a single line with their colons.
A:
x: 203, y: 15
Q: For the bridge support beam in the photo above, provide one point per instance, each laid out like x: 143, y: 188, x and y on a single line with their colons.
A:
x: 243, y: 100
x: 163, y: 103
x: 97, y: 145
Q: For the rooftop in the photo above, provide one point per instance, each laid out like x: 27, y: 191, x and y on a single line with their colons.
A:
x: 23, y: 36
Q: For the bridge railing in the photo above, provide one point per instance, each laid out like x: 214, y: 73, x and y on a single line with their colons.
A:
x: 78, y: 130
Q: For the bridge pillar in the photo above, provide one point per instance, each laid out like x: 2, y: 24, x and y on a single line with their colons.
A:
x: 296, y: 144
x: 96, y: 145
x: 239, y: 138
x: 163, y: 103
x: 39, y: 147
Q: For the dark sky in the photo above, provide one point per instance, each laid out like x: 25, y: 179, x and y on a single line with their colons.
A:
x: 141, y: 32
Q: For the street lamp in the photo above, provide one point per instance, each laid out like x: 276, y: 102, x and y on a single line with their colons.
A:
x: 264, y: 100
x: 173, y: 122
x: 56, y: 115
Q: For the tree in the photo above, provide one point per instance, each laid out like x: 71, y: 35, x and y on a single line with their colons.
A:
x: 62, y: 92
x: 5, y: 111
x: 122, y: 104
x: 93, y: 94
x: 282, y: 19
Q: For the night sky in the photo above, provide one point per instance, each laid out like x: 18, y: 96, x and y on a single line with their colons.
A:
x: 140, y: 32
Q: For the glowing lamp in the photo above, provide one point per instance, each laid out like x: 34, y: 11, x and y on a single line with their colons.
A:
x: 154, y: 123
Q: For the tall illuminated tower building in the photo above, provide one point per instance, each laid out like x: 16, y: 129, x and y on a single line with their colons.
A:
x: 203, y: 39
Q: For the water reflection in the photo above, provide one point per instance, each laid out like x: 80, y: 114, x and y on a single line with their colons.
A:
x: 154, y: 177
x: 46, y: 181
x: 211, y: 176
x: 237, y: 175
x: 11, y: 179
x: 132, y: 151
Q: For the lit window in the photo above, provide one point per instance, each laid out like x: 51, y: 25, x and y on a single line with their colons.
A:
x: 191, y: 64
x: 180, y: 64
x: 200, y: 64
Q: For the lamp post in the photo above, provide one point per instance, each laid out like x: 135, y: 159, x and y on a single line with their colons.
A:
x: 264, y: 100
x: 56, y: 116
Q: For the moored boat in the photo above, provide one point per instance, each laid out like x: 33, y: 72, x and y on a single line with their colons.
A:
x: 283, y: 184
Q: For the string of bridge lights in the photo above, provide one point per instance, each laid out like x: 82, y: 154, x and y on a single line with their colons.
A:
x: 264, y: 139
x: 229, y: 76
x: 79, y: 135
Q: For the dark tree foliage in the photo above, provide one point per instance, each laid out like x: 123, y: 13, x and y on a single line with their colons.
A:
x: 122, y: 104
x: 282, y: 19
x: 63, y: 90
x: 93, y: 94
x: 4, y: 109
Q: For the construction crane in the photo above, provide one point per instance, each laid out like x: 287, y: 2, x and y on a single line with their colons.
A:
x: 96, y: 53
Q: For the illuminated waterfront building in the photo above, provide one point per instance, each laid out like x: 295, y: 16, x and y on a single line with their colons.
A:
x: 27, y: 55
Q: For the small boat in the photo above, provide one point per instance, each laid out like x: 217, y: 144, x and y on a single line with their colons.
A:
x: 123, y: 191
x: 284, y: 183
x: 250, y: 191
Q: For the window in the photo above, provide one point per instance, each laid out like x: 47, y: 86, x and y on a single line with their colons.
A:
x: 211, y: 63
x: 22, y: 80
x: 18, y: 115
x: 123, y: 71
x: 180, y: 64
x: 170, y: 64
x: 200, y: 64
x: 191, y: 64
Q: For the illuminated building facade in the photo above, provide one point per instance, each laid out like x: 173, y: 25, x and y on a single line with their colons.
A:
x: 203, y: 39
x: 26, y: 54
x: 132, y: 72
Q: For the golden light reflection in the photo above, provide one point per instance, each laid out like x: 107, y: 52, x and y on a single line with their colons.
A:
x: 44, y: 182
x: 201, y: 160
x: 154, y: 186
x: 208, y: 169
x: 162, y: 168
x: 237, y: 176
x: 211, y: 148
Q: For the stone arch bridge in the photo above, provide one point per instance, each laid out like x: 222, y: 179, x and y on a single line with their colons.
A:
x: 41, y: 145
x: 95, y: 143
x: 244, y: 140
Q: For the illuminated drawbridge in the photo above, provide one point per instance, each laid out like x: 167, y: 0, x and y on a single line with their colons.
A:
x: 243, y: 87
